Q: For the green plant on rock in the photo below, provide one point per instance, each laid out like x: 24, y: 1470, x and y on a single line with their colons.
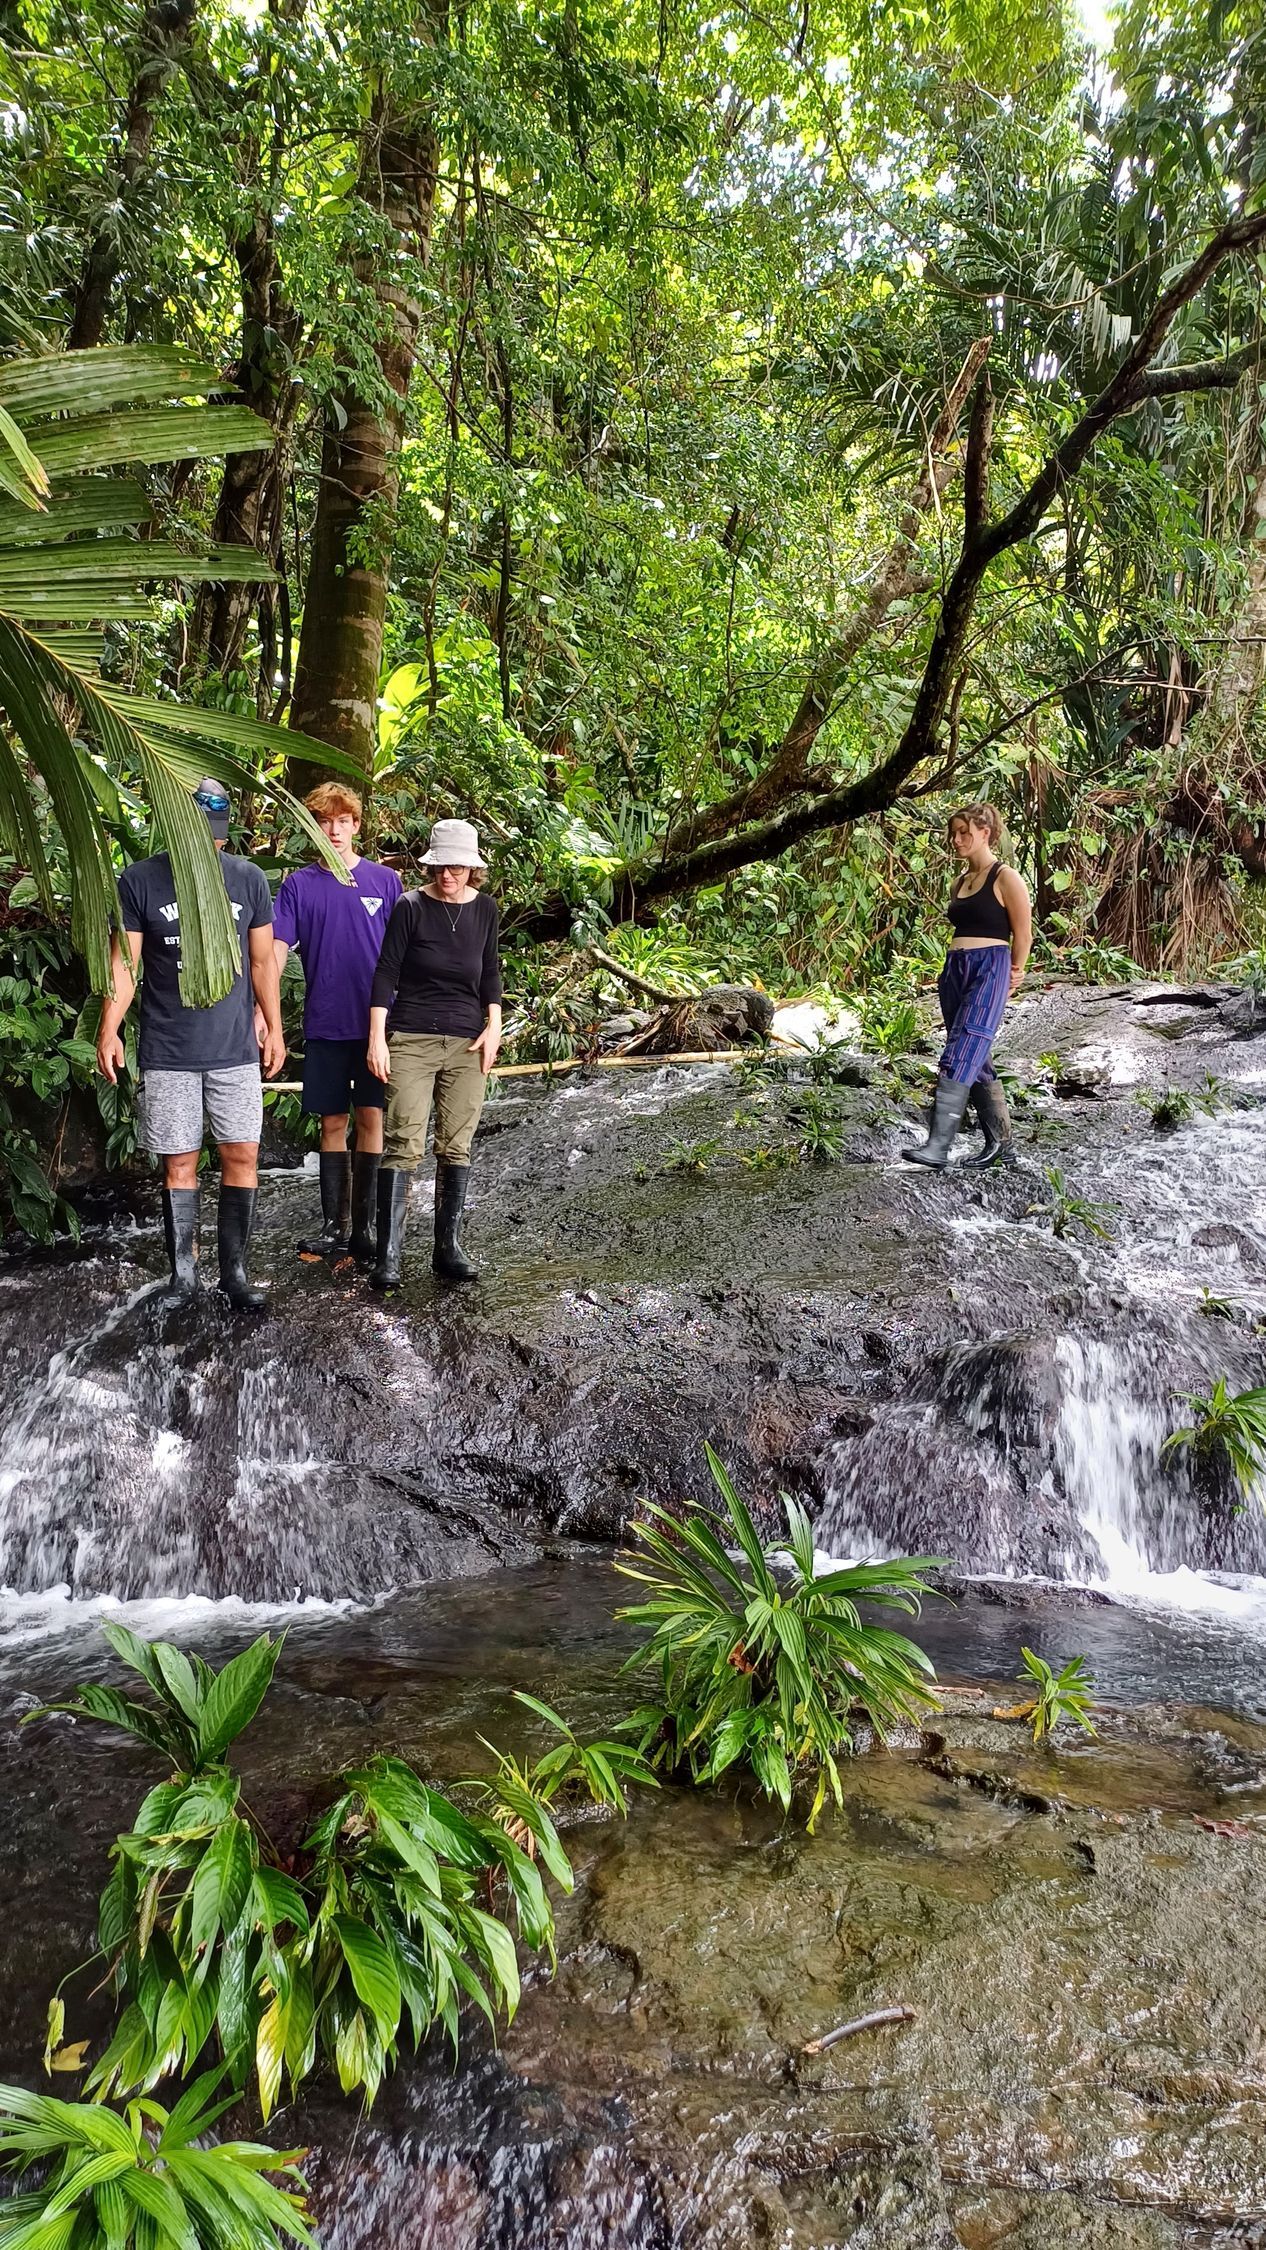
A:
x: 1227, y: 1429
x: 820, y: 1136
x: 1060, y: 1696
x: 765, y: 1159
x: 691, y: 1156
x: 1067, y: 1210
x: 891, y: 1023
x: 382, y: 1924
x: 137, y: 2178
x: 762, y: 1664
x: 1172, y: 1107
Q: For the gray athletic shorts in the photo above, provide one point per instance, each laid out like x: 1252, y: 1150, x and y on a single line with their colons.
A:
x: 172, y: 1102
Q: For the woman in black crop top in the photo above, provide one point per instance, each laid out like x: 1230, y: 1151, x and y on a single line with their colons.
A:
x: 993, y: 929
x: 439, y: 966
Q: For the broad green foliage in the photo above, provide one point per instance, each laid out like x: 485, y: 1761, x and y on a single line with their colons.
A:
x: 398, y: 1908
x: 760, y: 1663
x: 1060, y: 1696
x: 136, y: 2178
x: 72, y: 557
x: 1227, y: 1429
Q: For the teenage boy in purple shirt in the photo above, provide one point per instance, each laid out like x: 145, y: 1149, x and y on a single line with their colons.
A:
x: 338, y: 929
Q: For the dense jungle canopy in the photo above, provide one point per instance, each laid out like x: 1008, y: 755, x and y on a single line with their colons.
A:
x: 700, y: 446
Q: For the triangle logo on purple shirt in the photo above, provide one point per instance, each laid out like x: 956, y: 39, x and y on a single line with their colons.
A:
x: 371, y: 906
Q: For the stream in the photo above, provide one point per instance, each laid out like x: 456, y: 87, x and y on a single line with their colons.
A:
x: 429, y: 1495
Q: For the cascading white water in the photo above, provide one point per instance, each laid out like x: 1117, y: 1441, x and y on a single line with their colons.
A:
x: 1015, y: 1456
x: 1143, y: 1513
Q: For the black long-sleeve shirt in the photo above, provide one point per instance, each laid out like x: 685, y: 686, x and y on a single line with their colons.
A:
x: 441, y: 964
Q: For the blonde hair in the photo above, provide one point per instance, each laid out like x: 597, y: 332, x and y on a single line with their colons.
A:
x: 331, y: 797
x: 979, y: 815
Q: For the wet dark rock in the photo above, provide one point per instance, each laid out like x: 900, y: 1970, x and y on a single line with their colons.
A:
x: 916, y: 1356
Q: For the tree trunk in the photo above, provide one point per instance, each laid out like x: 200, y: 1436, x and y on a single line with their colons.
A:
x: 252, y: 490
x: 164, y: 40
x: 345, y: 604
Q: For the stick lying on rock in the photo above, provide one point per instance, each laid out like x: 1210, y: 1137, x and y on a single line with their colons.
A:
x: 871, y: 2022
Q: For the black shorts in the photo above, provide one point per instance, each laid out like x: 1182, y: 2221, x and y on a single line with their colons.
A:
x: 337, y: 1077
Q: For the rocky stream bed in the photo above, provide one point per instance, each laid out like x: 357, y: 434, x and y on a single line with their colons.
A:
x: 431, y: 1489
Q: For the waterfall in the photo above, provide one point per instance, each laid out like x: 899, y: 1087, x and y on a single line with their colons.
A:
x: 1015, y: 1455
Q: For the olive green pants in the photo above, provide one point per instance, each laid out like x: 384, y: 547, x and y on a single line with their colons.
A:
x: 426, y: 1068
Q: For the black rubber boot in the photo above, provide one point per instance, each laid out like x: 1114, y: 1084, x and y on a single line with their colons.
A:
x: 449, y: 1258
x: 336, y: 1172
x: 180, y: 1233
x: 363, y: 1246
x: 947, y: 1116
x: 236, y: 1219
x: 393, y: 1212
x: 992, y: 1115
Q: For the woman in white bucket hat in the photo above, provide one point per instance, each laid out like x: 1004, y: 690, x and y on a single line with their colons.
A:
x: 439, y: 964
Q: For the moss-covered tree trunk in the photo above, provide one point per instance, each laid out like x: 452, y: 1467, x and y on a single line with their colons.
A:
x: 345, y: 600
x: 249, y: 512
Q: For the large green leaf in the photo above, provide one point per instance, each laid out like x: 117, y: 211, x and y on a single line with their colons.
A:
x: 220, y: 1888
x: 95, y: 504
x: 372, y: 1971
x: 236, y: 1694
x: 91, y: 382
x: 151, y: 435
x: 52, y: 582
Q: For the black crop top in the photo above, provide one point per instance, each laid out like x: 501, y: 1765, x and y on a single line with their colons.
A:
x: 983, y: 915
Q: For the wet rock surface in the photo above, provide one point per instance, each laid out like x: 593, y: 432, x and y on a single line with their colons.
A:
x: 1084, y: 2065
x: 922, y: 1358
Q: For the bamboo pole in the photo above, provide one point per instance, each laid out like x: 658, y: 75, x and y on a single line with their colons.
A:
x: 574, y: 1062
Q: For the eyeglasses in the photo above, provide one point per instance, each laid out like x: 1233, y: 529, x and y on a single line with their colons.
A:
x: 211, y: 800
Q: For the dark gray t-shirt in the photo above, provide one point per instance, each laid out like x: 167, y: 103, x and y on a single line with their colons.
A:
x: 174, y: 1037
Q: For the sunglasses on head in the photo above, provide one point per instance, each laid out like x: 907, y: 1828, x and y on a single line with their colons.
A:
x: 211, y: 800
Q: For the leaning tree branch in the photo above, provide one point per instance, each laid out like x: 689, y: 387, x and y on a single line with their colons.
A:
x: 1202, y: 375
x: 873, y: 792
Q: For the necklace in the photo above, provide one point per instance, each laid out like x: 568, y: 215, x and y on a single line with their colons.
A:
x: 451, y: 919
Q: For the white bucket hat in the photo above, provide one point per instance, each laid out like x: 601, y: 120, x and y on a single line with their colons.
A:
x: 454, y: 843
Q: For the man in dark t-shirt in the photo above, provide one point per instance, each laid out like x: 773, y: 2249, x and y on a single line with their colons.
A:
x: 337, y: 929
x: 196, y: 1059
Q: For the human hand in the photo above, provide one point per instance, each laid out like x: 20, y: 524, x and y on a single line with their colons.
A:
x: 379, y: 1056
x: 1017, y: 979
x: 261, y: 1027
x: 487, y: 1047
x: 273, y: 1052
x: 111, y: 1058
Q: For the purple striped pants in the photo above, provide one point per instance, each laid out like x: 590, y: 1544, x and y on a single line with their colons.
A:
x: 972, y: 988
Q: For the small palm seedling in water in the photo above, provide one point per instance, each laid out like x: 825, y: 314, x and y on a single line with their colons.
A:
x: 1171, y: 1108
x: 690, y: 1156
x: 760, y: 1663
x: 1067, y: 1210
x: 1227, y: 1430
x: 519, y: 1796
x: 138, y: 2180
x: 766, y: 1159
x: 820, y: 1136
x: 1059, y: 1695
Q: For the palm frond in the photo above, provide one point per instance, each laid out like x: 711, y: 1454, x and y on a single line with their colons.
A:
x: 66, y: 564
